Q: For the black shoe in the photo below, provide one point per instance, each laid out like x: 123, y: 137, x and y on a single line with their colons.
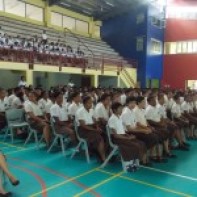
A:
x: 15, y: 183
x: 183, y: 148
x: 131, y: 168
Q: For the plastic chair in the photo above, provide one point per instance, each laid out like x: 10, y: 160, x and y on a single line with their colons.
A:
x: 58, y: 136
x: 115, y: 151
x: 82, y: 144
x: 15, y: 119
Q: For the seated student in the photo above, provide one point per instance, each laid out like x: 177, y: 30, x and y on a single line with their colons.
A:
x: 130, y: 148
x: 4, y: 105
x: 178, y: 117
x: 102, y: 110
x: 169, y: 101
x: 154, y: 119
x: 187, y: 113
x: 131, y: 127
x: 59, y: 113
x: 44, y: 101
x: 142, y: 123
x: 18, y: 101
x: 44, y: 37
x: 11, y: 177
x: 88, y: 128
x: 171, y: 125
x: 36, y: 117
x: 75, y: 105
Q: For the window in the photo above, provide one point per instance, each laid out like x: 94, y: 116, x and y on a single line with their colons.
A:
x: 195, y: 46
x: 56, y: 19
x: 69, y: 22
x: 15, y: 7
x: 34, y: 12
x: 140, y: 44
x: 82, y: 26
x: 156, y: 46
x: 140, y: 18
x: 156, y: 22
x: 1, y: 5
x: 179, y: 47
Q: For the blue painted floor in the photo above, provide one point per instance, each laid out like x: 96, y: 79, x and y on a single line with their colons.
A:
x: 45, y: 174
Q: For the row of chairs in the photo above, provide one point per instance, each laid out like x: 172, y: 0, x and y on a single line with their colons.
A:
x: 16, y: 118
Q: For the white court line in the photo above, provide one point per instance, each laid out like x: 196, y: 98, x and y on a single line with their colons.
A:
x: 171, y: 173
x: 17, y: 151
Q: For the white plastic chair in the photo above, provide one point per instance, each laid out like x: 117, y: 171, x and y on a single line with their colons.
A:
x: 15, y: 119
x: 63, y: 138
x: 82, y: 144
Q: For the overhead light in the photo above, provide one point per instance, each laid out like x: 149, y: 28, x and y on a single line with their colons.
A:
x: 65, y: 4
x: 110, y: 4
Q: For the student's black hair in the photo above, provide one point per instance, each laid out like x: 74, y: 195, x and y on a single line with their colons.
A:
x: 139, y: 99
x: 150, y: 98
x: 104, y: 96
x: 57, y: 93
x: 115, y: 106
x: 74, y: 95
x: 130, y: 99
x: 86, y: 99
x: 160, y: 96
x: 176, y: 97
x: 17, y: 89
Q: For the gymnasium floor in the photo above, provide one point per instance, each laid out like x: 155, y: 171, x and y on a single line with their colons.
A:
x: 45, y: 174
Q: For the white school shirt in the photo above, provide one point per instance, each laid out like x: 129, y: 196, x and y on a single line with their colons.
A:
x: 140, y: 116
x: 22, y: 83
x: 176, y: 110
x: 162, y: 111
x: 101, y: 112
x: 152, y: 113
x: 44, y: 36
x: 169, y: 103
x: 128, y: 118
x: 185, y: 107
x: 43, y: 103
x: 60, y: 112
x: 115, y: 123
x: 4, y: 105
x: 86, y: 116
x: 73, y: 108
x: 48, y: 107
x: 123, y: 98
x: 16, y: 103
x: 33, y: 107
x: 11, y: 98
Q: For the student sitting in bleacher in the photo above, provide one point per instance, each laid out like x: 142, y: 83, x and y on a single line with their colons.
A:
x: 89, y: 129
x: 131, y: 149
x: 59, y: 114
x: 36, y: 117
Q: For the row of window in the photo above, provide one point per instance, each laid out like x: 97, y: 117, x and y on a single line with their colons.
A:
x: 22, y: 9
x: 185, y: 47
x: 188, y: 13
x: 26, y: 10
x: 155, y: 45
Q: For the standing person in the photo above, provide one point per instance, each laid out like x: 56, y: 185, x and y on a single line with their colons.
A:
x: 11, y: 177
x: 44, y: 37
x: 22, y: 82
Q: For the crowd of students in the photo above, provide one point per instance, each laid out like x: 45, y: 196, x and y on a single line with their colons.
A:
x: 144, y: 124
x: 41, y: 45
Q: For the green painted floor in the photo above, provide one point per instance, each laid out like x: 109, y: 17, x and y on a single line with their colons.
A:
x: 45, y: 174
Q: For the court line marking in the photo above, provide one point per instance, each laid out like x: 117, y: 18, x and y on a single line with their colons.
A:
x: 11, y: 145
x: 99, y: 184
x: 147, y: 184
x: 171, y: 173
x: 36, y: 176
x: 22, y: 150
x: 54, y: 173
x: 65, y: 182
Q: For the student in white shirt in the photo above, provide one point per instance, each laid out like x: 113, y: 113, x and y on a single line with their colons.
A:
x: 130, y: 125
x: 44, y: 37
x: 75, y: 105
x: 18, y: 101
x: 59, y: 113
x: 36, y: 117
x: 22, y: 82
x: 130, y: 148
x: 44, y: 101
x: 154, y: 119
x: 88, y: 129
x: 171, y: 125
x: 3, y: 106
x: 156, y: 155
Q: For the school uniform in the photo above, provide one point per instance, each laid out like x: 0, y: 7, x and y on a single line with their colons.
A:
x: 93, y: 137
x: 16, y: 103
x: 129, y: 119
x: 130, y: 148
x: 43, y: 103
x: 73, y: 108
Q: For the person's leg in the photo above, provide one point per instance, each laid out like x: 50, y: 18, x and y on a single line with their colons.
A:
x: 101, y: 150
x: 46, y: 132
x: 4, y: 167
x: 2, y: 190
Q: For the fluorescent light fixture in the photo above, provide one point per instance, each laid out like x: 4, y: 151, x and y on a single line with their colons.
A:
x: 110, y: 4
x: 65, y: 4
